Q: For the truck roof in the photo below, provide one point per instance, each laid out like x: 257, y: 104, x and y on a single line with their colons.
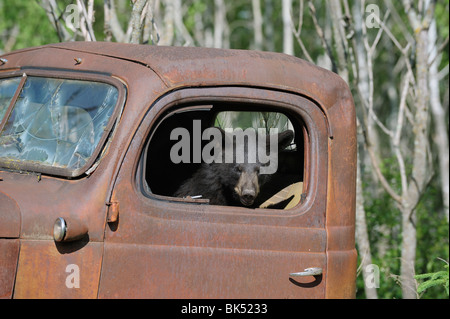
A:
x: 195, y: 67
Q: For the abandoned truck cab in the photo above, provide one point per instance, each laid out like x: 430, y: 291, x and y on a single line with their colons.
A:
x: 111, y: 185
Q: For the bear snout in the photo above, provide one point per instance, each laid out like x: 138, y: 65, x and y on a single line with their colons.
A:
x: 248, y: 197
x: 247, y: 188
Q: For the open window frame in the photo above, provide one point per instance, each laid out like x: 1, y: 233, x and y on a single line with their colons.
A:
x: 297, y: 108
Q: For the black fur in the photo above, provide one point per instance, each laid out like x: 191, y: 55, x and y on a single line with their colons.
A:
x: 218, y: 181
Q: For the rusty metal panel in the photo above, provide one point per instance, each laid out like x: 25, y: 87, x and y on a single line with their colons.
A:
x: 167, y: 272
x: 9, y: 252
x: 10, y: 217
x: 81, y: 199
x: 341, y: 198
x: 341, y: 268
x: 49, y: 270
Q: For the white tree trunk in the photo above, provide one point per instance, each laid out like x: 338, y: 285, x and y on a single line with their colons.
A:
x: 362, y: 237
x: 439, y: 118
x: 219, y: 23
x: 257, y: 25
x: 288, y: 37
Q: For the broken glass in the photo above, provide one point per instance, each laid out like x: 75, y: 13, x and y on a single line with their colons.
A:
x: 57, y: 122
x: 7, y: 89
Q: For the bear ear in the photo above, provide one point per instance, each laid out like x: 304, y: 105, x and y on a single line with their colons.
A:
x: 285, y: 139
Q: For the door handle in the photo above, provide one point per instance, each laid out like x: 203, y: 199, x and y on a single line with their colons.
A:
x: 313, y: 271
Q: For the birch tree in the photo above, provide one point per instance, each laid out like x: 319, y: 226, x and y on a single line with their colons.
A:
x: 438, y: 112
x: 288, y: 43
x: 73, y: 20
x: 353, y: 51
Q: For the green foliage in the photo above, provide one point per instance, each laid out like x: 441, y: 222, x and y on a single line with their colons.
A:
x: 31, y: 22
x: 385, y: 234
x: 442, y: 23
x: 442, y: 17
x: 198, y: 7
x: 432, y: 237
x: 439, y: 278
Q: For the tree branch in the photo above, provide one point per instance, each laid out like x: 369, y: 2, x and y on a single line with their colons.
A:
x: 135, y: 20
x: 376, y: 165
x: 112, y: 26
x: 88, y: 19
x: 297, y: 33
x: 321, y: 35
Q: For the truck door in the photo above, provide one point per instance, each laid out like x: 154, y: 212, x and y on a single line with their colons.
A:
x: 161, y: 246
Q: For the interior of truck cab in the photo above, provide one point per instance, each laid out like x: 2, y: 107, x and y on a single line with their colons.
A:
x: 162, y: 176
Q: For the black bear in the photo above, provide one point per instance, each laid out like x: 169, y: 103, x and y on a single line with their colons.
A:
x: 236, y: 182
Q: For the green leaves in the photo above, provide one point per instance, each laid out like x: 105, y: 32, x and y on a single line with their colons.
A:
x: 439, y: 278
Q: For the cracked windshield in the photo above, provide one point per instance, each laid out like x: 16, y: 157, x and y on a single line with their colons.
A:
x: 54, y: 122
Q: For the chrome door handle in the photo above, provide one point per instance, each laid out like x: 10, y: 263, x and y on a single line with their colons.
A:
x: 313, y: 271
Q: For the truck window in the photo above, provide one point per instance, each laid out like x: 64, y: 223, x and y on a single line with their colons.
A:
x: 7, y: 89
x: 55, y: 123
x: 222, y: 155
